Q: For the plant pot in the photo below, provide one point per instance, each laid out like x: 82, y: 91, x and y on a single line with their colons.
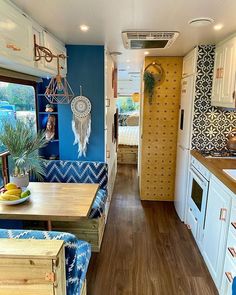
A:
x: 21, y: 181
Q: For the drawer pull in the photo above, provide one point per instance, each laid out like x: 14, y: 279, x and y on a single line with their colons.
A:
x: 232, y: 251
x: 223, y: 212
x: 11, y: 46
x: 233, y: 224
x: 229, y: 276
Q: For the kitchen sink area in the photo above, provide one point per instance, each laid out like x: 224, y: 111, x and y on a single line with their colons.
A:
x: 231, y: 173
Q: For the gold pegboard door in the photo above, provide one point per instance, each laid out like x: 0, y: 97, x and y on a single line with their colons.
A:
x: 159, y: 133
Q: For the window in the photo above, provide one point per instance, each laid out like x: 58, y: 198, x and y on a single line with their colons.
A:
x: 125, y: 104
x: 17, y: 102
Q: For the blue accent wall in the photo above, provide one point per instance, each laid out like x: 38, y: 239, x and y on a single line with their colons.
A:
x: 86, y: 68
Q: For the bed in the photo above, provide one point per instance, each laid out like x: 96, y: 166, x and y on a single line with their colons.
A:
x: 128, y: 140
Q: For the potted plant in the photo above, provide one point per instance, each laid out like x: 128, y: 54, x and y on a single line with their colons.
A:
x: 23, y: 144
x: 149, y: 84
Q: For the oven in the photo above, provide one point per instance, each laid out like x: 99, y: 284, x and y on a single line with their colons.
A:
x: 198, y: 193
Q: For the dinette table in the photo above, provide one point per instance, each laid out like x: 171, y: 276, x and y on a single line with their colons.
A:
x: 53, y: 202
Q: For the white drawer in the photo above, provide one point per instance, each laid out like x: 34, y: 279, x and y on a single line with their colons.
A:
x: 228, y: 275
x: 231, y: 246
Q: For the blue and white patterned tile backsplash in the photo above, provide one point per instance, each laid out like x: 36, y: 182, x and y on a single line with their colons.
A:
x: 210, y: 124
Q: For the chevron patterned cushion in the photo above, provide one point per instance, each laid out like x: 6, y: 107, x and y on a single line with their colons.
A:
x: 77, y: 254
x: 76, y: 171
x: 99, y: 203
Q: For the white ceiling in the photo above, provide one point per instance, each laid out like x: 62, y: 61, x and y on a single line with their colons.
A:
x: 108, y: 18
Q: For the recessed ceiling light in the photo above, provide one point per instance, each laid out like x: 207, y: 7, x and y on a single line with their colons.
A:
x: 218, y: 27
x: 201, y: 22
x: 146, y: 52
x: 127, y: 60
x: 84, y: 28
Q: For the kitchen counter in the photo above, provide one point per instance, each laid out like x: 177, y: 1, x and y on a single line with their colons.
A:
x: 216, y: 166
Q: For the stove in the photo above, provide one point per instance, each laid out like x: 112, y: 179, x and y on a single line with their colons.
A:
x: 225, y: 153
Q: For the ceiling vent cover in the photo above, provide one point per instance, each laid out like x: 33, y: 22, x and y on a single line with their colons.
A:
x: 148, y: 39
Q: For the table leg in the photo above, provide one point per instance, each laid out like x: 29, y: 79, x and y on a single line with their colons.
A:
x: 49, y: 225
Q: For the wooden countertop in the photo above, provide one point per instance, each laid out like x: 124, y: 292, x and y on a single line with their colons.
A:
x: 216, y: 166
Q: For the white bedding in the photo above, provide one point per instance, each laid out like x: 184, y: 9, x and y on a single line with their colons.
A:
x: 128, y: 135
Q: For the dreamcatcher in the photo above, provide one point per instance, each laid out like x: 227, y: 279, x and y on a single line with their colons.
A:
x: 81, y: 122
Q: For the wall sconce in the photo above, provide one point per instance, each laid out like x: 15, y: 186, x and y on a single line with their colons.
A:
x: 58, y: 90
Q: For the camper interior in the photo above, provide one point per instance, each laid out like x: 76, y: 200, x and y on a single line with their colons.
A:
x: 117, y: 147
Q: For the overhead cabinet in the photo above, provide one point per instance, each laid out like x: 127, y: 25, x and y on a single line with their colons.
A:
x: 56, y: 48
x: 189, y: 63
x: 16, y: 41
x: 224, y: 77
x: 17, y: 33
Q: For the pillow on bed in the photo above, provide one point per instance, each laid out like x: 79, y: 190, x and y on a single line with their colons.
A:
x: 132, y: 121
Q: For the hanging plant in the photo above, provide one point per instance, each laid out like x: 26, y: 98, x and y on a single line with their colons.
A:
x: 149, y: 84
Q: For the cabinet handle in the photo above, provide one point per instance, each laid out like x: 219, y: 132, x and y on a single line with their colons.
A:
x: 233, y: 94
x: 233, y: 224
x: 16, y: 48
x: 223, y: 212
x: 10, y: 46
x: 229, y: 276
x: 232, y: 251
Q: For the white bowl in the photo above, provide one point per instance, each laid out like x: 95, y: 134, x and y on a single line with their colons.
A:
x: 15, y: 202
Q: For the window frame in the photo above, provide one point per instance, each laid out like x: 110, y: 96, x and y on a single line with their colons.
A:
x: 4, y: 155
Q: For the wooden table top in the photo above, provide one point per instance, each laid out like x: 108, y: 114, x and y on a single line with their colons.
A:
x: 53, y: 201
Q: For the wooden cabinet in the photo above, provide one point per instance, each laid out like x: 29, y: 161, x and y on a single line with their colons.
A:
x: 216, y: 228
x: 224, y: 77
x: 189, y: 63
x: 32, y: 267
x: 16, y: 42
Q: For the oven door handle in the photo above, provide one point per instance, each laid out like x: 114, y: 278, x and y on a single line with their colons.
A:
x: 197, y: 175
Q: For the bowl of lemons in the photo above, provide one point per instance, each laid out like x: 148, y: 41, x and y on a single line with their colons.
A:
x: 10, y: 194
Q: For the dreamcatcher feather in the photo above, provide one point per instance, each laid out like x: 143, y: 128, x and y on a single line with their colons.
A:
x: 81, y: 123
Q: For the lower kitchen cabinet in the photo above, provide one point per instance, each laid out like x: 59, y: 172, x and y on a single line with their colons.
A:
x: 216, y: 229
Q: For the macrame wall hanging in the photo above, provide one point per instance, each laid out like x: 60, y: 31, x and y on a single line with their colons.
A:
x: 81, y: 122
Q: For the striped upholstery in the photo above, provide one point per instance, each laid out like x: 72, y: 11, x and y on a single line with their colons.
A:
x: 77, y: 254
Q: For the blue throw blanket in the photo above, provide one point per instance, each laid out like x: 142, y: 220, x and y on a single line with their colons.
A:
x: 77, y: 254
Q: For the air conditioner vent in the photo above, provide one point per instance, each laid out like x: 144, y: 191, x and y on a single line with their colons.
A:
x: 148, y: 39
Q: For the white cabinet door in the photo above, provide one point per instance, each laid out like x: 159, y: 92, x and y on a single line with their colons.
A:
x: 228, y: 80
x: 216, y: 228
x: 16, y: 42
x: 189, y: 63
x: 217, y: 80
x: 57, y: 48
x: 224, y: 79
x: 228, y: 274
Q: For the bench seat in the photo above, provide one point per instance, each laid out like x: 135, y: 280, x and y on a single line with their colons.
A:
x: 77, y: 255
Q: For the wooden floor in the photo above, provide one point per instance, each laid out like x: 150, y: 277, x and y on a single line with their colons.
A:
x: 146, y: 249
